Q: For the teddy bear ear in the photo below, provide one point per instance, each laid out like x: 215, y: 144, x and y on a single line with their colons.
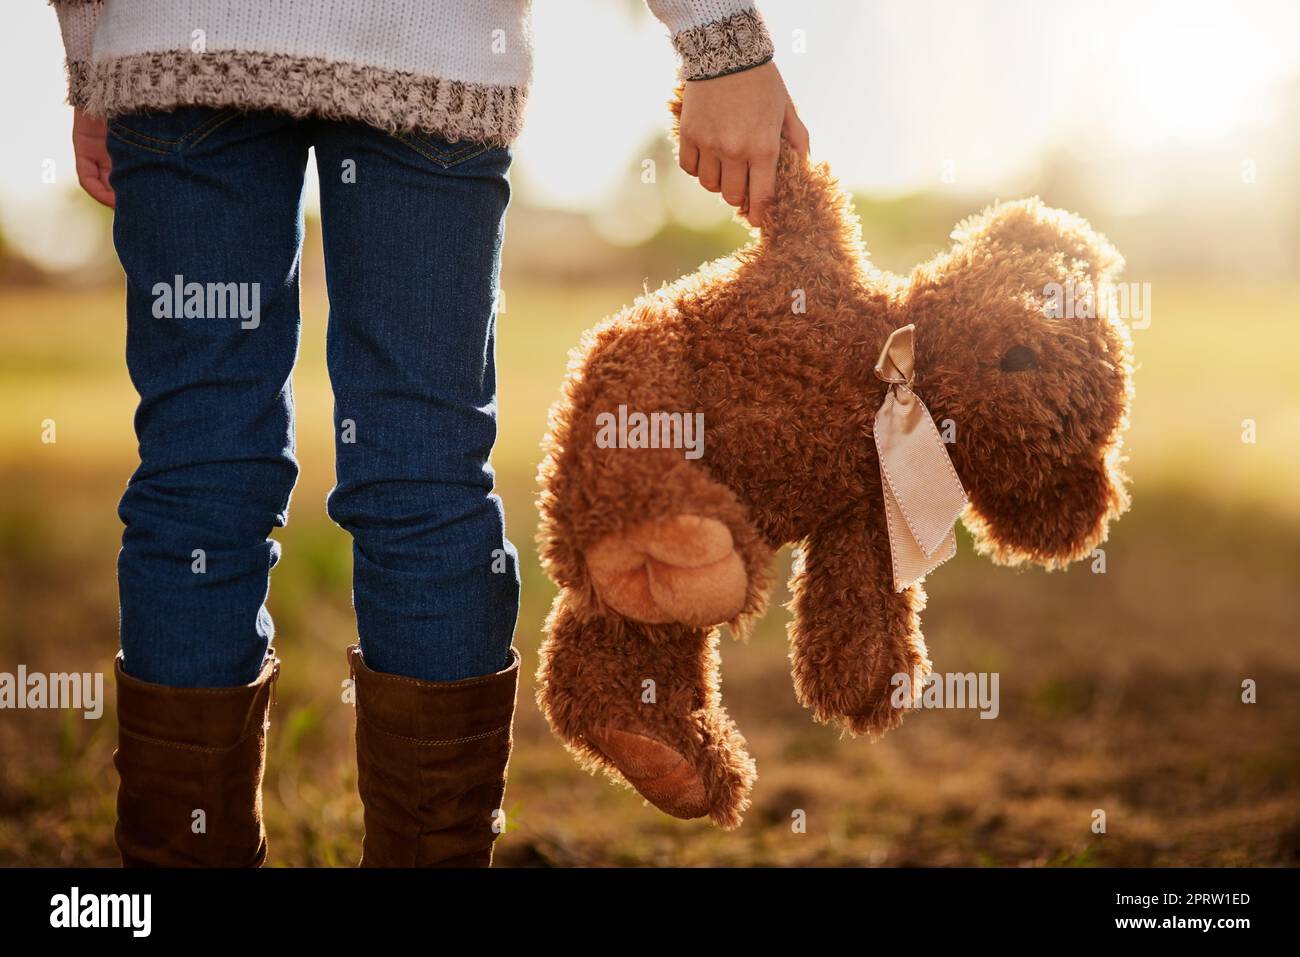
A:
x: 1046, y: 244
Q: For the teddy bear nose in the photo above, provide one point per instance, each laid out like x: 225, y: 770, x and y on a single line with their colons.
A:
x: 1018, y: 359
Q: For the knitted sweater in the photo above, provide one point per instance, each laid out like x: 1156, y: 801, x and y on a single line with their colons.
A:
x: 458, y: 68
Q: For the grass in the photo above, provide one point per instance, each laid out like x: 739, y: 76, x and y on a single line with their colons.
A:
x: 1119, y: 692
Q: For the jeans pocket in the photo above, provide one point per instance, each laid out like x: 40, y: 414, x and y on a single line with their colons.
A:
x: 171, y: 131
x: 444, y: 153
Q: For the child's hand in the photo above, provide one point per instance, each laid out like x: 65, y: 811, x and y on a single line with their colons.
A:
x: 730, y: 135
x: 90, y: 146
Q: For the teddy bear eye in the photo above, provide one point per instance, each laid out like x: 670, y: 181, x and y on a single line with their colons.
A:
x: 1018, y: 359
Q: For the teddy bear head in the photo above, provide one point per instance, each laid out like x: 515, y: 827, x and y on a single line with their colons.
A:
x: 1022, y: 362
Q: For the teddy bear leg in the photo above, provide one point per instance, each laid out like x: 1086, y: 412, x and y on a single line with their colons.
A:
x: 695, y: 560
x: 852, y: 634
x: 642, y: 703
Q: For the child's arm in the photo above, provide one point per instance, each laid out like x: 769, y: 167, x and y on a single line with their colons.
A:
x: 77, y: 24
x: 735, y: 108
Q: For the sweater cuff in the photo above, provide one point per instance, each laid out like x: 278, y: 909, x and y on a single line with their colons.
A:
x: 715, y: 37
x: 77, y: 20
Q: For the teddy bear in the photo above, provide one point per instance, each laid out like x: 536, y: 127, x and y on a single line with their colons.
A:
x: 794, y: 394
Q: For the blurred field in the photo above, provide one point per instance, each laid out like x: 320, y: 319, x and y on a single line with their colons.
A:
x: 1119, y: 691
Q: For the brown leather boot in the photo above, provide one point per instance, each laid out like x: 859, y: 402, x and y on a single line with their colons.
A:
x: 431, y: 765
x: 185, y: 750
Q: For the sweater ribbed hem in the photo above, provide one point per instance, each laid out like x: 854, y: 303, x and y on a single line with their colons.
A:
x: 302, y: 86
x: 739, y: 42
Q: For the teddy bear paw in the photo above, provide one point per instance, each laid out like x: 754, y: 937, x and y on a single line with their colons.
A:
x: 661, y: 775
x: 683, y: 569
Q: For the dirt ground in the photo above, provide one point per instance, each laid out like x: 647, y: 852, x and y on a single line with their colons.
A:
x: 1120, y: 692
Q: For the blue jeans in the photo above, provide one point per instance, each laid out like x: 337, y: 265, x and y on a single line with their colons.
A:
x: 209, y: 228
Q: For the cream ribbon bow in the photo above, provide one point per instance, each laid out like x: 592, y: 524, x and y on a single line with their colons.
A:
x: 923, y: 495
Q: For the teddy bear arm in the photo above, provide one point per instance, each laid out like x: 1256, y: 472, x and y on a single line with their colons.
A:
x: 851, y: 632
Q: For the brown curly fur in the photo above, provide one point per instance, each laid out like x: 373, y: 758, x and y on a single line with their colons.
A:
x: 788, y: 401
